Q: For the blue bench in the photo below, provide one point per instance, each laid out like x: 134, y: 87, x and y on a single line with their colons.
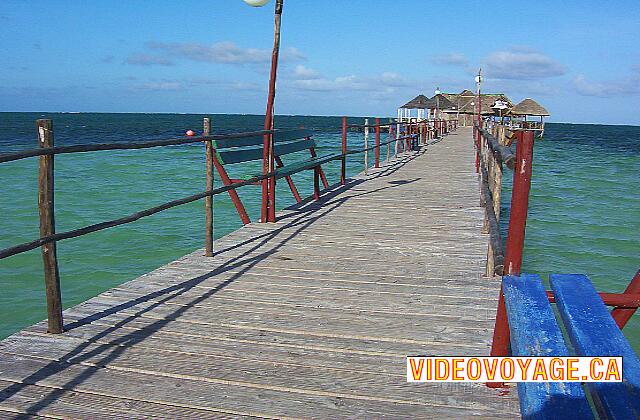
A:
x: 591, y: 330
x: 250, y: 148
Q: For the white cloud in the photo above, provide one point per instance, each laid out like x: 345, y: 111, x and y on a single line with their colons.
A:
x: 301, y: 72
x: 620, y: 87
x: 326, y: 85
x: 160, y: 86
x: 450, y: 59
x: 521, y: 64
x: 147, y: 60
x: 387, y: 81
x: 225, y: 52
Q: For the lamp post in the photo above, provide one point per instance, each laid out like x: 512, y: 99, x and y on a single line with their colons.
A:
x: 268, y: 212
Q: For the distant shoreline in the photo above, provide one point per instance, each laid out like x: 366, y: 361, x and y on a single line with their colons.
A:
x: 258, y: 115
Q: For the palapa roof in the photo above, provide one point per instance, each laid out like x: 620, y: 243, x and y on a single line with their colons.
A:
x: 458, y: 99
x: 422, y: 102
x: 487, y: 101
x: 419, y: 101
x: 441, y: 101
x: 529, y: 107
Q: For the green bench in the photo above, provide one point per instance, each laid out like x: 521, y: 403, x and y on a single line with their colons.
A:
x: 246, y: 149
x: 591, y: 331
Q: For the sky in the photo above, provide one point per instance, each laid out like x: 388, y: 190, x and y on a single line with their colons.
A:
x: 579, y: 59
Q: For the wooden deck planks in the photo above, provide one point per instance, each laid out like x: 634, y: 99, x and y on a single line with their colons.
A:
x: 309, y: 317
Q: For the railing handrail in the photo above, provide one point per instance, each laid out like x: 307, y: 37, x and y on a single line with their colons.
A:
x: 48, y: 237
x: 83, y: 148
x: 28, y: 246
x: 500, y: 151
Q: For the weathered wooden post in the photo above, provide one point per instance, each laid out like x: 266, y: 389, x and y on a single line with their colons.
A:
x: 396, y: 144
x: 377, y: 155
x: 519, y: 202
x: 343, y: 171
x: 208, y: 201
x: 366, y: 145
x: 515, y: 239
x: 48, y: 227
x: 389, y: 140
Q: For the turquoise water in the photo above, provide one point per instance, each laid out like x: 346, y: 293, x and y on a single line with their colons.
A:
x: 584, y: 208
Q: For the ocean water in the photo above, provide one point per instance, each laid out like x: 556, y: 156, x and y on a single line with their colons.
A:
x: 584, y: 207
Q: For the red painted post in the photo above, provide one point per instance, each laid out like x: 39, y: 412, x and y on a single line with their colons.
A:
x: 476, y: 139
x: 519, y: 202
x: 377, y: 164
x: 623, y: 315
x: 343, y: 173
x: 515, y: 239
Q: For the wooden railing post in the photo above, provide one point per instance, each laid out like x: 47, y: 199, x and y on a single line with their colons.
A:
x: 477, y: 132
x: 48, y: 227
x: 519, y: 202
x: 343, y: 169
x: 396, y: 144
x: 515, y: 239
x: 366, y: 145
x: 377, y: 162
x: 389, y: 140
x: 208, y: 201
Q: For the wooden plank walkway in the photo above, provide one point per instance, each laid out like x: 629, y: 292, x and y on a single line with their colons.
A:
x: 311, y: 317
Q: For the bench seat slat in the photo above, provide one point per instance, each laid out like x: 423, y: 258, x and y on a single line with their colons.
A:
x: 232, y: 156
x: 278, y: 137
x: 290, y: 169
x: 593, y: 332
x: 535, y: 332
x: 311, y: 163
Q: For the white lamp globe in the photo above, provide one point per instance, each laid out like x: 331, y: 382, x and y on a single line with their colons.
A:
x: 256, y: 3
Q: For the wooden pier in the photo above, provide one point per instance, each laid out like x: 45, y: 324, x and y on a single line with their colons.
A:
x: 309, y: 317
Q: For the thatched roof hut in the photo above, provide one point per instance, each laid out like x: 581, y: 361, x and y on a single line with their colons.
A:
x: 468, y: 104
x: 419, y: 102
x: 441, y: 101
x: 529, y: 107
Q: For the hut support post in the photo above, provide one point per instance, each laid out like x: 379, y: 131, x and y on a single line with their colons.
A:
x: 48, y: 227
x: 515, y: 239
x: 208, y: 201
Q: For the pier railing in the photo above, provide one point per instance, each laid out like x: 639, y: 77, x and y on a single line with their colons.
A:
x: 492, y: 154
x: 405, y: 137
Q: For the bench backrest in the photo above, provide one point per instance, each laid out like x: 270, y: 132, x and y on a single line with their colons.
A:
x: 535, y: 332
x: 593, y: 332
x: 245, y: 149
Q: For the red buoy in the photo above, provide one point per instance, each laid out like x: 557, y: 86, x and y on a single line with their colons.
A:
x: 191, y: 133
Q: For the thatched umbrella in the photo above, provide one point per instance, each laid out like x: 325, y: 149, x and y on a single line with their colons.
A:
x: 419, y: 102
x: 530, y: 107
